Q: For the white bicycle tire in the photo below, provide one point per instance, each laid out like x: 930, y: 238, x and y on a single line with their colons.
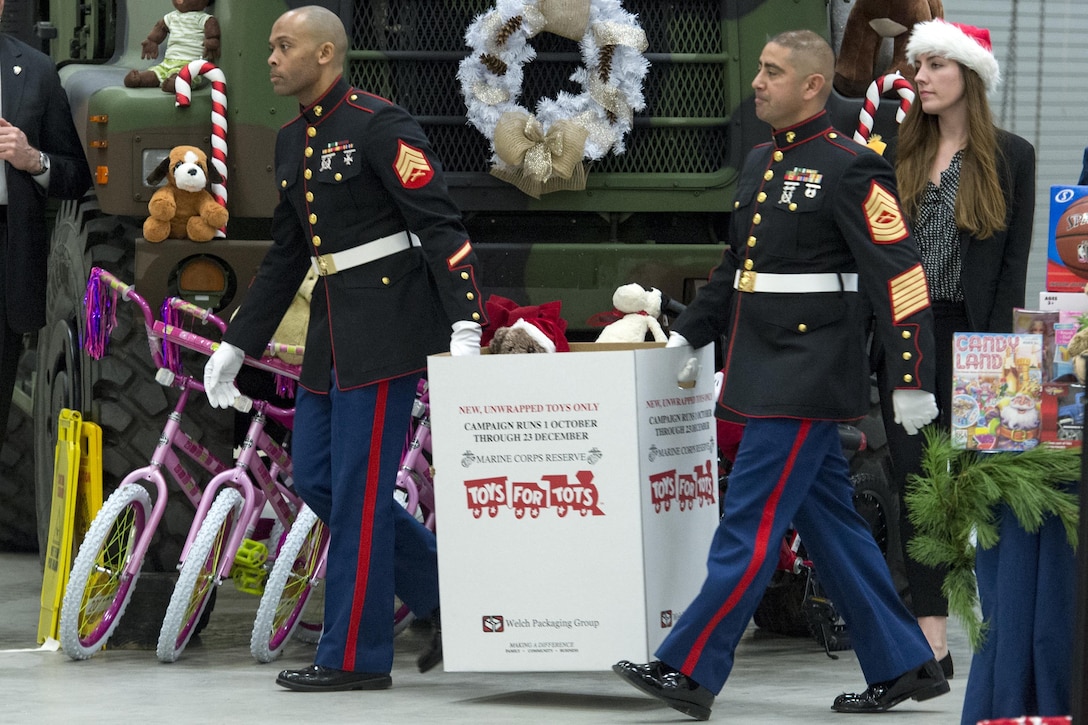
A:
x: 87, y: 563
x: 169, y: 647
x: 301, y: 532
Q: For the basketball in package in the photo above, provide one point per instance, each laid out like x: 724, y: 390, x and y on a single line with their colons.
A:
x: 1067, y: 253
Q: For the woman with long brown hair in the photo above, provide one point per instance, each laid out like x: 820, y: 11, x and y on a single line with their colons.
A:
x: 968, y: 191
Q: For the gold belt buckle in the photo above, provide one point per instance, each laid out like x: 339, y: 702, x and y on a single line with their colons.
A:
x: 747, y: 281
x: 325, y: 265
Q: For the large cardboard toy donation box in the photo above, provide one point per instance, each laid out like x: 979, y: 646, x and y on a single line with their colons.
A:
x: 576, y: 496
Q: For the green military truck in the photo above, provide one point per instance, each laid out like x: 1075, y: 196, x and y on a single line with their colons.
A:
x: 652, y: 215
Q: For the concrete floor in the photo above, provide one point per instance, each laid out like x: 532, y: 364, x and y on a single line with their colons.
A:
x: 776, y: 680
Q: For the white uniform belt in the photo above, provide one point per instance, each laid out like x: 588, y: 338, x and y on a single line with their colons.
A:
x: 364, y: 253
x: 748, y: 281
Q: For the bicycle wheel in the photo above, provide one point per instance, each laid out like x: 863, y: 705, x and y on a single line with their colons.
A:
x: 196, y: 582
x: 289, y: 586
x: 97, y: 592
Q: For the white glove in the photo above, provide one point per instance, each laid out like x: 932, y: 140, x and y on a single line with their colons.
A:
x: 219, y: 374
x: 689, y: 371
x: 913, y: 409
x: 465, y: 339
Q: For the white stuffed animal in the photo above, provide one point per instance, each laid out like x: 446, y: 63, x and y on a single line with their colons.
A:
x: 640, y: 308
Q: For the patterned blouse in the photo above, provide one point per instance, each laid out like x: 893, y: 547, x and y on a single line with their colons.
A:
x: 938, y: 237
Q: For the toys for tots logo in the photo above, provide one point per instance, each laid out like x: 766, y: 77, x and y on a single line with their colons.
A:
x: 556, y: 492
x: 686, y: 489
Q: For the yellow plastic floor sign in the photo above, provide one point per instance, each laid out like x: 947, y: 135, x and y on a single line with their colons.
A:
x: 76, y: 498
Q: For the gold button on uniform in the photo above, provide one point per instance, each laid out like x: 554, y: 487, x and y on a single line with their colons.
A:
x: 311, y: 132
x: 907, y: 356
x: 790, y: 136
x: 756, y: 219
x: 908, y: 378
x: 476, y: 315
x: 385, y: 280
x: 802, y: 327
x: 777, y: 155
x: 283, y: 184
x: 313, y: 218
x: 338, y: 176
x: 748, y: 264
x: 768, y: 175
x: 736, y: 204
x: 308, y: 174
x: 832, y: 135
x: 762, y: 197
x: 464, y: 275
x: 309, y: 152
x: 354, y: 96
x: 470, y: 296
x: 318, y: 110
x: 309, y: 196
x: 751, y: 241
x: 906, y: 334
x: 793, y: 206
x: 317, y: 241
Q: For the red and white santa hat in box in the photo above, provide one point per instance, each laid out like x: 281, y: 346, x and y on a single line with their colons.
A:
x: 543, y: 322
x: 966, y: 44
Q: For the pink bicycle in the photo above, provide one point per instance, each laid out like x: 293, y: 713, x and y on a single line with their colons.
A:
x: 300, y: 564
x: 107, y: 566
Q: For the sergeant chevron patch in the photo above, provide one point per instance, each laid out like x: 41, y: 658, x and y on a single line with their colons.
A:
x: 886, y: 225
x: 909, y: 293
x: 412, y: 167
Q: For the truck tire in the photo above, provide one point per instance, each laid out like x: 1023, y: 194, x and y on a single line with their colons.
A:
x: 118, y: 392
x: 17, y: 528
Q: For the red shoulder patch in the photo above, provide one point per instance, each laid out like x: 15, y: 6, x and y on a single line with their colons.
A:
x: 412, y: 167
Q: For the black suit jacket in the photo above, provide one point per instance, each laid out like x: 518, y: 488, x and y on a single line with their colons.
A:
x: 35, y: 101
x: 994, y: 270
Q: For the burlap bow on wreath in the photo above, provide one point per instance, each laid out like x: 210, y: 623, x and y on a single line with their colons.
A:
x: 538, y: 162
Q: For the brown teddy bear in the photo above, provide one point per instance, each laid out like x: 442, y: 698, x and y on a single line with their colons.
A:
x: 869, y: 22
x: 184, y: 208
x: 192, y: 34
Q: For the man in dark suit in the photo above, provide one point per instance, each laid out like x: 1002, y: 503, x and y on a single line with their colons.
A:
x: 42, y: 158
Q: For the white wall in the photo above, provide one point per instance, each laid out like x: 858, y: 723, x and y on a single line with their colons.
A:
x: 1040, y: 45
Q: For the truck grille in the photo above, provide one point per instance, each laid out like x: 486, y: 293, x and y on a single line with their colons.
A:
x: 407, y: 52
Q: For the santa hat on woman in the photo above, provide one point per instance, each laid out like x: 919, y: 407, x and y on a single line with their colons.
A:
x: 967, y: 45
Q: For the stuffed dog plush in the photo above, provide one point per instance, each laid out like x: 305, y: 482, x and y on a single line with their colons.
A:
x: 184, y: 208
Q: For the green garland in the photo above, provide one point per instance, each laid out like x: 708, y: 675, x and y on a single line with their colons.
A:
x: 955, y: 497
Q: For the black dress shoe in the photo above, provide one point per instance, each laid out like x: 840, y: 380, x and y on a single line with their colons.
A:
x: 673, y: 687
x: 918, y: 684
x: 946, y: 665
x: 316, y: 678
x: 433, y: 654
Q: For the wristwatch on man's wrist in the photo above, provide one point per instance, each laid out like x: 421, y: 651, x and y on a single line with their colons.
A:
x: 43, y: 163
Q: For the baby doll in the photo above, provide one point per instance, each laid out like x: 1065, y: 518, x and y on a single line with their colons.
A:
x: 192, y: 33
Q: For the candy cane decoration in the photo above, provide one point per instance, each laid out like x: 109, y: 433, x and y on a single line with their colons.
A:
x: 183, y: 97
x: 877, y: 88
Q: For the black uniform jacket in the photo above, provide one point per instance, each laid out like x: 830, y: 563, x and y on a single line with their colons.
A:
x: 353, y: 168
x: 34, y: 101
x: 814, y: 201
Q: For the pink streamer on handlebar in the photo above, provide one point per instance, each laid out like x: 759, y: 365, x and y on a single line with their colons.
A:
x: 171, y: 355
x: 100, y: 308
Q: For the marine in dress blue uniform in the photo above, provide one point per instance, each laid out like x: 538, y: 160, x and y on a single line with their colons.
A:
x: 815, y: 220
x: 362, y: 198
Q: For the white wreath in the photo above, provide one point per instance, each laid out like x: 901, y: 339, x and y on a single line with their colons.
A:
x: 544, y: 152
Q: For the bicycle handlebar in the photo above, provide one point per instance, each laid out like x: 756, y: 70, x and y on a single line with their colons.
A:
x: 158, y: 330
